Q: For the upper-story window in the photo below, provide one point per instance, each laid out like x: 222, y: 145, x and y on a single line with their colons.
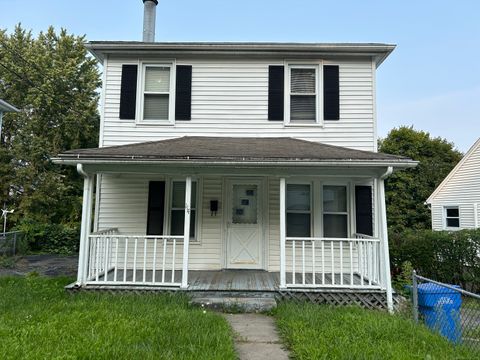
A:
x: 157, y: 94
x: 303, y: 94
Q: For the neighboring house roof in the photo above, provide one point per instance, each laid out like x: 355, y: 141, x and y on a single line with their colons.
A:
x: 454, y: 171
x: 378, y: 51
x: 6, y: 107
x: 236, y: 150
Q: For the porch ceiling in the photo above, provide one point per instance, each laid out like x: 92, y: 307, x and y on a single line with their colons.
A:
x: 189, y: 150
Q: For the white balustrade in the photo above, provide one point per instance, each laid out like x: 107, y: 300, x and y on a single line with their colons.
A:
x: 116, y: 259
x: 316, y: 262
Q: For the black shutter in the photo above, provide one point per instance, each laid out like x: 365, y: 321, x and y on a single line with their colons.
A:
x: 363, y: 210
x: 183, y: 93
x: 331, y: 93
x: 156, y: 202
x: 276, y: 78
x: 128, y: 92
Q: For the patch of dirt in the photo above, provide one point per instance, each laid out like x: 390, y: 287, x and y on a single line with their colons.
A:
x: 45, y: 264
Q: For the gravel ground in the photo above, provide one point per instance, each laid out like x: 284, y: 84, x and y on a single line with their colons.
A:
x: 45, y: 264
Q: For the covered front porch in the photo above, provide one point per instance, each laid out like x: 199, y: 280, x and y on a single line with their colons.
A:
x: 249, y: 219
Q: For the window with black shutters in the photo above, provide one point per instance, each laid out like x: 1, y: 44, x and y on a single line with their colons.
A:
x: 157, y: 97
x: 177, y: 208
x: 303, y: 94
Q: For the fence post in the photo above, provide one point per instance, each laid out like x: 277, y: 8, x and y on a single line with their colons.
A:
x: 14, y: 243
x: 415, y: 295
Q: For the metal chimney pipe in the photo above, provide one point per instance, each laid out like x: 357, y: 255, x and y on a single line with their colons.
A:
x: 149, y: 15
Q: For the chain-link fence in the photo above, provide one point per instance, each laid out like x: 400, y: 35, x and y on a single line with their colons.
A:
x: 11, y: 243
x: 448, y: 310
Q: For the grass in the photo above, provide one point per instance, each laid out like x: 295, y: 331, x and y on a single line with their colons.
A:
x: 321, y: 332
x: 39, y: 320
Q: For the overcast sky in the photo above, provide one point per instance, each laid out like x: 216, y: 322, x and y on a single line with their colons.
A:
x: 431, y: 81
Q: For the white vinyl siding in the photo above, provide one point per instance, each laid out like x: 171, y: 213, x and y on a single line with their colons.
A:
x: 462, y: 189
x: 230, y: 98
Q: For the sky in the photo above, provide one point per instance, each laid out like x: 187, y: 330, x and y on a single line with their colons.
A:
x: 430, y: 81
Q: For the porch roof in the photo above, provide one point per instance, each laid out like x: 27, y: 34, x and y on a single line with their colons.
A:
x: 237, y: 150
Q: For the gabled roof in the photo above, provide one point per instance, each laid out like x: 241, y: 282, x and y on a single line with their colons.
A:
x: 6, y: 107
x: 453, y: 172
x: 237, y: 150
x: 376, y: 50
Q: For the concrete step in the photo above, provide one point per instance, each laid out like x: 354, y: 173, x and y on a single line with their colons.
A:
x: 236, y: 303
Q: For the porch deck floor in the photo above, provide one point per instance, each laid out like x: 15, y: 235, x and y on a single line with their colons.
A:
x: 230, y: 280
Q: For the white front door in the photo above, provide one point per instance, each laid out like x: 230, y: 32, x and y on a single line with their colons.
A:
x: 244, y: 224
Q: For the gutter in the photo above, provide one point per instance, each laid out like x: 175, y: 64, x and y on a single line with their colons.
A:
x: 332, y: 163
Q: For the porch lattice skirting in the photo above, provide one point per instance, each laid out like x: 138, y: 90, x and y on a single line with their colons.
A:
x: 250, y: 284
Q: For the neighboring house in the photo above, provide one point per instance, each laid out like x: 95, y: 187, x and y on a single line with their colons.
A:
x: 218, y: 158
x: 5, y: 107
x: 455, y: 203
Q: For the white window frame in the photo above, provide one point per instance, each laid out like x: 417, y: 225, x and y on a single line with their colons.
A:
x: 445, y: 217
x: 318, y: 66
x: 171, y: 64
x: 311, y: 211
x: 348, y: 209
x: 168, y: 206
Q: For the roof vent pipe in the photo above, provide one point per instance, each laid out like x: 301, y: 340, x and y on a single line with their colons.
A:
x: 149, y: 15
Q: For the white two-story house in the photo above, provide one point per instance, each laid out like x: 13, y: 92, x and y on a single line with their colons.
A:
x: 237, y: 167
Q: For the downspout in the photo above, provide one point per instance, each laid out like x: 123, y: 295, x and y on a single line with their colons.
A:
x: 81, y: 171
x: 387, y: 173
x: 384, y: 229
x: 85, y: 225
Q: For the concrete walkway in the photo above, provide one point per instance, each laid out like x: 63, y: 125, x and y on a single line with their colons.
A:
x: 256, y: 337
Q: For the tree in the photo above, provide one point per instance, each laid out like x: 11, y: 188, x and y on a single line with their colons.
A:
x: 54, y: 82
x: 406, y: 191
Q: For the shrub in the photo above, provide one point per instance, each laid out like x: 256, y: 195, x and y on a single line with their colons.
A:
x: 452, y: 257
x: 51, y: 238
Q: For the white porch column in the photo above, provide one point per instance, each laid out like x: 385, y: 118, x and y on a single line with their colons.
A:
x: 283, y: 281
x: 383, y: 232
x: 85, y: 225
x: 186, y: 231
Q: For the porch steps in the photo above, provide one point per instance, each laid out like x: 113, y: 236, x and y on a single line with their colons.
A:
x: 249, y: 302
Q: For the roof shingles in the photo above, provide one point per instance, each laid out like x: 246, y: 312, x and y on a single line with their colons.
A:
x: 235, y: 149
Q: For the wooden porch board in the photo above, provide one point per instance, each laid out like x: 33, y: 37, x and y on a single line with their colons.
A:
x: 231, y: 280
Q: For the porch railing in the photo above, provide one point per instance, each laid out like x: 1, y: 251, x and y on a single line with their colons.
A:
x: 116, y: 259
x: 316, y: 262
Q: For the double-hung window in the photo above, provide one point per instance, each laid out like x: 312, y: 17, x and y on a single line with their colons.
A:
x: 298, y: 210
x: 157, y: 93
x: 302, y: 95
x: 177, y: 209
x: 452, y: 217
x: 335, y: 211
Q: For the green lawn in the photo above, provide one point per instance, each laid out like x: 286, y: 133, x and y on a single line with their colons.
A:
x: 39, y: 320
x: 321, y: 332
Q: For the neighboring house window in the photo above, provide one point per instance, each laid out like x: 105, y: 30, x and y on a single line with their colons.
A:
x: 298, y: 210
x: 452, y: 217
x: 302, y: 94
x: 335, y: 211
x: 157, y: 96
x: 177, y: 210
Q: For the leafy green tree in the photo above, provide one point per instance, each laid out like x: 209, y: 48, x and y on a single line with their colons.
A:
x: 54, y: 82
x: 406, y: 191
